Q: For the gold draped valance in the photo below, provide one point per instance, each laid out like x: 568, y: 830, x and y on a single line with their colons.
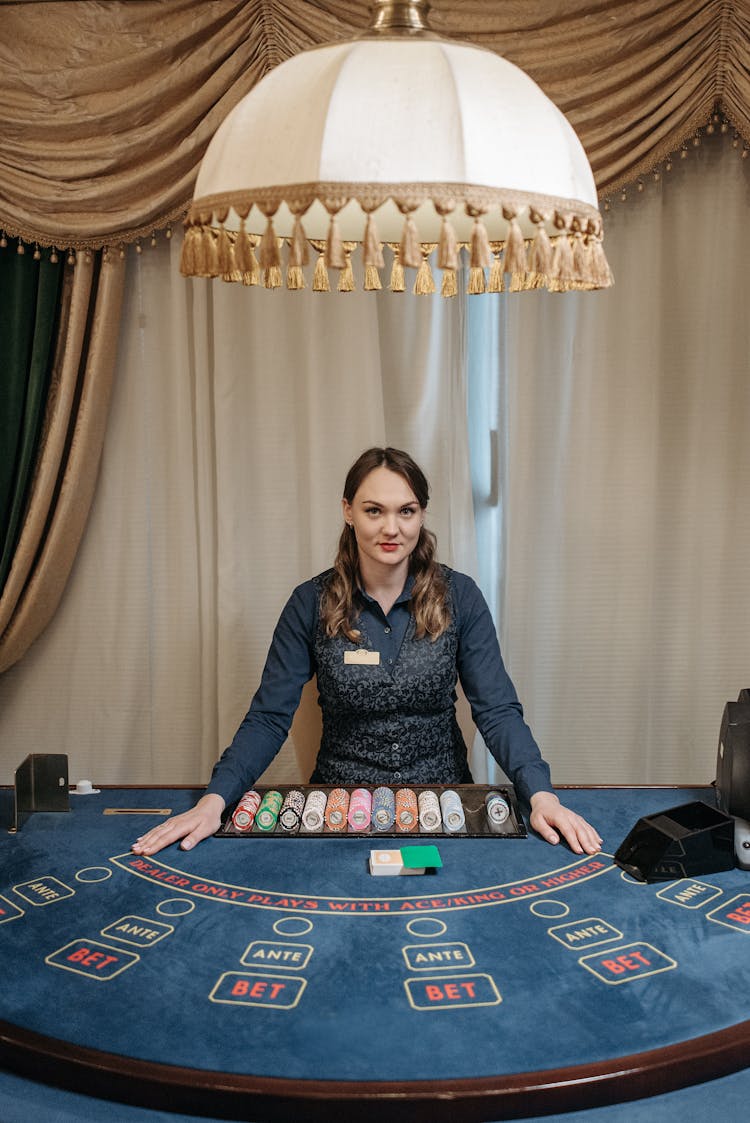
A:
x: 107, y: 109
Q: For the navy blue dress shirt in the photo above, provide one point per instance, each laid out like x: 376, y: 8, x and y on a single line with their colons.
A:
x: 290, y: 664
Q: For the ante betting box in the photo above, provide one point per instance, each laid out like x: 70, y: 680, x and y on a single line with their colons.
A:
x: 376, y: 811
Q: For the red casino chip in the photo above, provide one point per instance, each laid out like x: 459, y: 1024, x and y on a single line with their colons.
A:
x: 244, y: 813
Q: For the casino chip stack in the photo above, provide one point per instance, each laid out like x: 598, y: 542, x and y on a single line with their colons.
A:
x: 291, y: 810
x: 407, y: 810
x: 268, y: 812
x: 313, y: 816
x: 360, y: 809
x: 429, y: 811
x: 244, y: 813
x: 336, y: 809
x: 453, y: 812
x: 498, y: 811
x: 383, y: 809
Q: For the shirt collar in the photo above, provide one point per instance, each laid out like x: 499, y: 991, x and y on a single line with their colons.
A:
x: 403, y: 596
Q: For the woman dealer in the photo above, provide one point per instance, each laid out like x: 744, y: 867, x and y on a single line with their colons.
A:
x: 387, y: 631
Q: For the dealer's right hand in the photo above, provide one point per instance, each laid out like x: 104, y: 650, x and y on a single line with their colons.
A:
x: 191, y: 827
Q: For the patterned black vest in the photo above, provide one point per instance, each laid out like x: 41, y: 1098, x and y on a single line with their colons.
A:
x: 389, y: 724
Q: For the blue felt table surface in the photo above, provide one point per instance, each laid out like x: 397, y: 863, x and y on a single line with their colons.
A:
x: 366, y: 948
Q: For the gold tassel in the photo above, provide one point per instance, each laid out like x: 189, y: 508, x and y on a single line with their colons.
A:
x: 199, y: 250
x: 231, y: 273
x: 188, y: 264
x: 447, y: 255
x: 244, y: 255
x: 372, y: 279
x: 424, y: 282
x: 210, y: 255
x: 253, y: 274
x: 449, y: 286
x: 580, y: 264
x: 587, y: 268
x: 409, y: 252
x: 476, y: 281
x: 562, y: 264
x: 223, y: 251
x: 270, y: 257
x: 514, y: 258
x: 346, y: 276
x: 372, y: 254
x: 201, y: 263
x: 601, y: 272
x: 223, y: 263
x: 298, y: 249
x: 295, y: 278
x: 335, y: 255
x: 496, y: 275
x: 541, y: 258
x: 481, y: 254
x: 520, y: 282
x: 397, y: 283
x: 320, y: 277
x: 272, y: 277
x: 536, y: 280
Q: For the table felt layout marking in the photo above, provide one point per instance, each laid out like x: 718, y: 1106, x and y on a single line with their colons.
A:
x: 503, y: 946
x: 158, y: 873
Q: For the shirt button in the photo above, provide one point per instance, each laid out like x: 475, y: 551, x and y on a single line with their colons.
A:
x: 390, y: 660
x: 387, y: 631
x: 396, y: 775
x: 394, y: 745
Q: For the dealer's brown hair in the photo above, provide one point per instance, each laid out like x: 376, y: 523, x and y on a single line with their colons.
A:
x: 429, y: 593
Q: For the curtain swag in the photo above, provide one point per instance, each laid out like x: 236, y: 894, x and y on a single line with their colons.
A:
x: 109, y: 107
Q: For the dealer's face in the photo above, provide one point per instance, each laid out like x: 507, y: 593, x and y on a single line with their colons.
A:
x: 387, y: 518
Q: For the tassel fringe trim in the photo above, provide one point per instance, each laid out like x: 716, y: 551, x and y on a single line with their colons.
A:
x: 572, y: 258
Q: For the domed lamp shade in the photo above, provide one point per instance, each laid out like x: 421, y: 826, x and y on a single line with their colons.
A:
x: 436, y: 149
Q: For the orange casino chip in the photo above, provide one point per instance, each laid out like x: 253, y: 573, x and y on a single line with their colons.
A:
x: 407, y: 810
x: 336, y: 809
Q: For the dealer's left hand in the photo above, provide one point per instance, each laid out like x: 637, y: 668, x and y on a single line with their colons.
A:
x: 550, y: 819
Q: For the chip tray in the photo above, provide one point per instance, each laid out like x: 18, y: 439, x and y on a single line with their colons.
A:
x: 472, y: 797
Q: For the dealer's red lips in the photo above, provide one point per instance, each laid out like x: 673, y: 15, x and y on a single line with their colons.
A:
x: 389, y: 547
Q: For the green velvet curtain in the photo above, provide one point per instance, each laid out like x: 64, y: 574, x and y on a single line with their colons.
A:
x: 29, y: 309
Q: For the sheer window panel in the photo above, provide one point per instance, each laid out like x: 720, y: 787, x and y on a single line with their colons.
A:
x: 611, y: 469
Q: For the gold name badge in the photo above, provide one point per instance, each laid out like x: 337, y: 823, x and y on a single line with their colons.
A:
x: 362, y: 658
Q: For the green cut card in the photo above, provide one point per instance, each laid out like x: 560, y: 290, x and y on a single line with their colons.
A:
x: 419, y: 857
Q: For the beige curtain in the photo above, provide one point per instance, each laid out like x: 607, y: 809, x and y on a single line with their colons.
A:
x: 612, y: 483
x: 108, y: 108
x: 71, y: 445
x: 228, y: 442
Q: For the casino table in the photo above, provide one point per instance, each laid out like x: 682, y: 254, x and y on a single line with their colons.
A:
x: 276, y: 978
